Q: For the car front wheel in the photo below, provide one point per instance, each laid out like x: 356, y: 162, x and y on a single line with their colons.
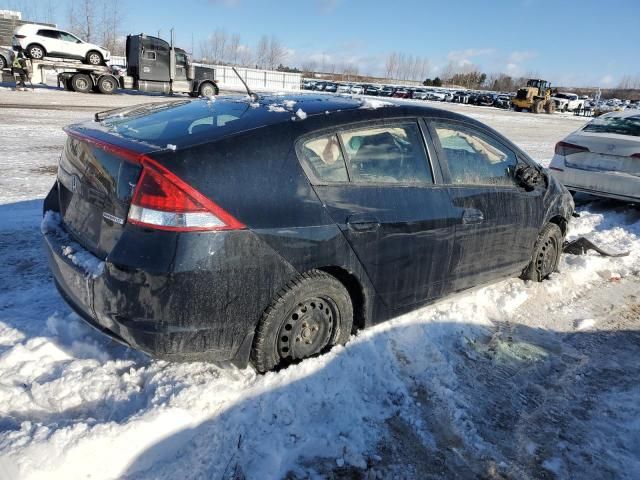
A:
x: 546, y: 254
x: 307, y: 317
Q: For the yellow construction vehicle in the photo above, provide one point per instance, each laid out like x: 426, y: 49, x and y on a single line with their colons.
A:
x: 535, y: 97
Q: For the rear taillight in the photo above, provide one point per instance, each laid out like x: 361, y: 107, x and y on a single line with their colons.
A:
x: 566, y: 148
x: 163, y: 201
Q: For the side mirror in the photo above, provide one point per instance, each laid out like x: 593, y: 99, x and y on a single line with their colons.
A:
x: 528, y: 177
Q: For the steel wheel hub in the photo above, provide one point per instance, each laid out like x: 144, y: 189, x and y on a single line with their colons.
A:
x: 307, y: 329
x: 546, y: 257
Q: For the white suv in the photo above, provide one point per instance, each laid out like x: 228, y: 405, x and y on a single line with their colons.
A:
x: 39, y: 41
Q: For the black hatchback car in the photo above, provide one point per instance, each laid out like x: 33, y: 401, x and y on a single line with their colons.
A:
x: 235, y: 230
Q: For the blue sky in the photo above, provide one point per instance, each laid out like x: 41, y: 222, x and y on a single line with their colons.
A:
x: 570, y: 42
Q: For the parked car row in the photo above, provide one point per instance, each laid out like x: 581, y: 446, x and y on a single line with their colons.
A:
x: 501, y: 100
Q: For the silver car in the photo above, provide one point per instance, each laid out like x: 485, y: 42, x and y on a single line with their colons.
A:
x: 603, y: 157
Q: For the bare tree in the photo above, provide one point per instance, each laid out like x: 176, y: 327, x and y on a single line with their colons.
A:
x: 276, y: 54
x: 218, y: 45
x: 205, y: 51
x: 262, y: 51
x: 111, y: 19
x: 391, y: 65
x: 309, y: 67
x: 245, y: 56
x: 629, y: 82
x: 82, y: 19
x: 233, y: 50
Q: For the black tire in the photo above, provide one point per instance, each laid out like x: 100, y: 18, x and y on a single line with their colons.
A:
x: 81, y: 83
x: 3, y: 63
x: 546, y: 254
x: 94, y: 58
x: 550, y: 107
x: 537, y: 107
x: 517, y: 109
x: 207, y: 89
x: 107, y: 84
x: 36, y: 52
x: 307, y: 317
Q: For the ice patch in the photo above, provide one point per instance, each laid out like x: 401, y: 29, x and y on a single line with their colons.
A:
x: 301, y: 114
x: 276, y: 108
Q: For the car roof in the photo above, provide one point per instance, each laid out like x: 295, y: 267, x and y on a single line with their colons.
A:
x: 309, y: 111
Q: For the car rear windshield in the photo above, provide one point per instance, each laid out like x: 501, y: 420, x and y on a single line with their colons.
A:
x: 179, y: 123
x: 617, y: 125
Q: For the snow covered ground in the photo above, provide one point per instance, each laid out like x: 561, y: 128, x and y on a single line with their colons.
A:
x: 515, y: 380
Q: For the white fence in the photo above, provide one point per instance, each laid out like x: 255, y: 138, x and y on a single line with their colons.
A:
x: 260, y: 79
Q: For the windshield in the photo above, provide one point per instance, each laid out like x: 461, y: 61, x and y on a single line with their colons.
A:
x: 174, y: 122
x: 616, y: 125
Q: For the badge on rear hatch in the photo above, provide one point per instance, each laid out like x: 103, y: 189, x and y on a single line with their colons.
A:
x: 113, y: 218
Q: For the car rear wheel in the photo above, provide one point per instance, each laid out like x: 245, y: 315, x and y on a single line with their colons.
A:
x: 307, y: 317
x: 3, y: 63
x: 36, y: 52
x: 546, y: 254
x: 94, y: 58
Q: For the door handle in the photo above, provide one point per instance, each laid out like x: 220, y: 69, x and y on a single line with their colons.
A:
x: 472, y: 216
x: 362, y: 223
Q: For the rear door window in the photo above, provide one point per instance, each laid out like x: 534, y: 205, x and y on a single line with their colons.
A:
x: 325, y: 158
x: 474, y: 158
x: 387, y: 154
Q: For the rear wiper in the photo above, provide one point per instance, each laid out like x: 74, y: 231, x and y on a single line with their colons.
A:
x: 137, y: 109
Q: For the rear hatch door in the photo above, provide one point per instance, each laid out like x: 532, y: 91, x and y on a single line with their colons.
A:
x: 96, y: 179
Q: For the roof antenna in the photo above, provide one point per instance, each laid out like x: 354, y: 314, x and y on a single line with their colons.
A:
x: 252, y: 95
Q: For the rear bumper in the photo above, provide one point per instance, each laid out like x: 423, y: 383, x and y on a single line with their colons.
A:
x: 619, y: 186
x: 203, y: 312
